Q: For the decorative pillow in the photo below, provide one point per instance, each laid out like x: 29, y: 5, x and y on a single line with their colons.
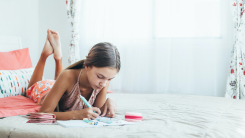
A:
x: 17, y: 59
x: 14, y: 82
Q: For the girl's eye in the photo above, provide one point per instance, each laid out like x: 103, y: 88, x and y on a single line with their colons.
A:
x: 99, y: 77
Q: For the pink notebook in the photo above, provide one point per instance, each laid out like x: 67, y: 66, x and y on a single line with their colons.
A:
x: 41, y: 118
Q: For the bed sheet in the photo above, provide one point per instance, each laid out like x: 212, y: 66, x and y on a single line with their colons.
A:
x: 165, y: 115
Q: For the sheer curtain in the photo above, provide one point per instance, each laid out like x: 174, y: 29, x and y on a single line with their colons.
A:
x: 73, y: 13
x: 166, y: 46
x: 236, y: 80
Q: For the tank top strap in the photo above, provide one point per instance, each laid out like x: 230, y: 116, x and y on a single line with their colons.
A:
x: 79, y: 75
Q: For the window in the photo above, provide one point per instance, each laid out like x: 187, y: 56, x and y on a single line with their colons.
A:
x: 188, y: 21
x: 187, y: 18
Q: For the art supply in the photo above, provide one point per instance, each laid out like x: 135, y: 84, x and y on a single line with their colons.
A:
x: 90, y: 122
x: 41, y: 118
x: 86, y: 102
x: 133, y: 117
x: 105, y: 120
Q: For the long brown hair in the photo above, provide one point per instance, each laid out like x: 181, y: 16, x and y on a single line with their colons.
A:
x: 100, y: 55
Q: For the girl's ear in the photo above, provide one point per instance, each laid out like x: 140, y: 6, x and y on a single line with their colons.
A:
x: 87, y: 68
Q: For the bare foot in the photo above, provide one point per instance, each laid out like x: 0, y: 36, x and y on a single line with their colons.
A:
x: 54, y: 40
x: 47, y: 49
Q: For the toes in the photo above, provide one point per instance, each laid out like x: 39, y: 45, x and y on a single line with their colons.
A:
x: 54, y: 32
x: 48, y: 31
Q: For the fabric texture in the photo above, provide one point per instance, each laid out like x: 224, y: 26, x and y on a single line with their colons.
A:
x: 14, y: 60
x: 14, y: 82
x: 69, y: 101
x: 17, y: 105
x: 164, y: 116
x: 179, y: 45
x: 38, y: 89
x: 236, y: 80
x: 73, y: 13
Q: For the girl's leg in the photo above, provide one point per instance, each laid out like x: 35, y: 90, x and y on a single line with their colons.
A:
x: 54, y: 39
x: 58, y: 68
x: 38, y: 71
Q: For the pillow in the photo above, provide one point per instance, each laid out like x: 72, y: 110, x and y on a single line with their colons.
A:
x: 14, y: 60
x: 14, y: 82
x: 109, y: 91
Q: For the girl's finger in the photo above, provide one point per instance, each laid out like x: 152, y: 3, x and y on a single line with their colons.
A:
x: 97, y: 110
x: 112, y: 113
x: 108, y: 114
x: 95, y: 115
x: 105, y: 111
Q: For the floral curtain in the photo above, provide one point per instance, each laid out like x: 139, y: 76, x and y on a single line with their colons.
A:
x: 73, y: 12
x: 236, y: 79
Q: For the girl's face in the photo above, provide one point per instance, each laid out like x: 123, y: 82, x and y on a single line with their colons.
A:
x: 100, y: 77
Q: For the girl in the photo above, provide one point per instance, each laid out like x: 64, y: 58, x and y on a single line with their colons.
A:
x: 89, y: 77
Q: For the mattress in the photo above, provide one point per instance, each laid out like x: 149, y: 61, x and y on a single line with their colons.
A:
x: 165, y: 115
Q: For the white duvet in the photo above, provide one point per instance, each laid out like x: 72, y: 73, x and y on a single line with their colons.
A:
x: 170, y: 116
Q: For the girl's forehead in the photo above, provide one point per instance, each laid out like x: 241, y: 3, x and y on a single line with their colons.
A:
x: 105, y: 71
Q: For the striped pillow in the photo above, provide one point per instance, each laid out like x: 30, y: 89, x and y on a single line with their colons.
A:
x: 14, y: 82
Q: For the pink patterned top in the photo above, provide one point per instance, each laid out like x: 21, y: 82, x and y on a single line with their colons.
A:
x: 71, y: 100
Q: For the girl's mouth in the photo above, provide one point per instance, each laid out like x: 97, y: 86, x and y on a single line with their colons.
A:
x: 97, y: 87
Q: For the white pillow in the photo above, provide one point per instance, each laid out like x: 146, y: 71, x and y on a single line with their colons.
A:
x: 14, y: 82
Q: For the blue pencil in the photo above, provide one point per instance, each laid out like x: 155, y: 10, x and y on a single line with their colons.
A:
x: 85, y: 101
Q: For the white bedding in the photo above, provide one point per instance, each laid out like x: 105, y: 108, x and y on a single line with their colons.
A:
x: 170, y: 116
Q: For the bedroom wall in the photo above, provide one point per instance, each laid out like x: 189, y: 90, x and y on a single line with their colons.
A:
x: 53, y: 15
x: 21, y: 18
x: 30, y: 20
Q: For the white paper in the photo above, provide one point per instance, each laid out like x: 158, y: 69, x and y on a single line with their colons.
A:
x: 81, y: 123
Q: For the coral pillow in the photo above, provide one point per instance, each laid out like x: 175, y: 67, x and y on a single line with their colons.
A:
x: 109, y: 91
x: 14, y: 60
x: 17, y: 105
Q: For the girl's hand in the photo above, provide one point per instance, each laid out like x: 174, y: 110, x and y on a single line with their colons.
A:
x: 87, y: 113
x: 109, y: 108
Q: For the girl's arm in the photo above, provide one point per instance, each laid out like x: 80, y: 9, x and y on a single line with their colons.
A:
x: 51, y: 100
x: 101, y: 97
x: 107, y: 106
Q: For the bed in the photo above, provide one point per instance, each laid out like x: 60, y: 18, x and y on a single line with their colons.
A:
x: 165, y: 115
x: 170, y: 116
x: 9, y: 43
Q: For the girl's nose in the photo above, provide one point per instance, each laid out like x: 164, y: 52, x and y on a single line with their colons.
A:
x: 103, y: 84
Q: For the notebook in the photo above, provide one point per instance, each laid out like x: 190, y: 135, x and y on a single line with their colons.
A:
x: 41, y: 118
x: 81, y: 123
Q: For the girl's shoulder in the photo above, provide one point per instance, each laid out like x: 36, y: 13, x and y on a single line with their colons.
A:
x: 71, y: 74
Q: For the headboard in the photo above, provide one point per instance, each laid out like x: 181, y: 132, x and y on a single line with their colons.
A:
x: 9, y: 43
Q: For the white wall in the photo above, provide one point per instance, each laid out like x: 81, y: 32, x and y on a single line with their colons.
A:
x: 21, y: 18
x: 30, y: 20
x: 53, y: 15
